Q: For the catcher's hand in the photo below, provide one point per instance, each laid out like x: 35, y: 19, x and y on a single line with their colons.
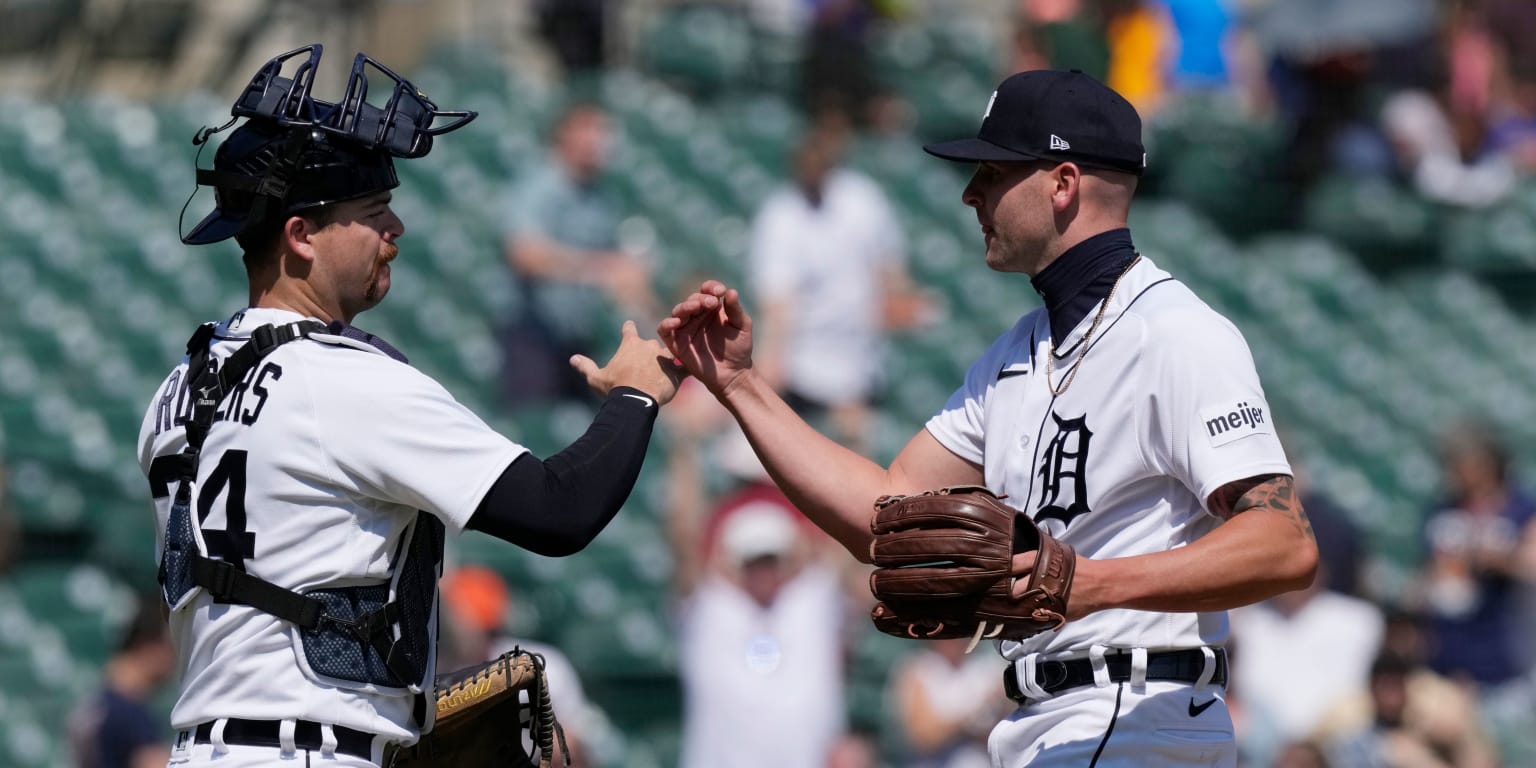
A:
x: 480, y: 714
x: 943, y: 562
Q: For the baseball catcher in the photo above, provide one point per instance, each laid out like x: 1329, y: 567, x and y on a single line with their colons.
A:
x: 305, y: 475
x: 943, y: 562
x: 480, y: 717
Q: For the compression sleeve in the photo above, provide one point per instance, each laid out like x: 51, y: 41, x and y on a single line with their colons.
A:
x: 557, y: 506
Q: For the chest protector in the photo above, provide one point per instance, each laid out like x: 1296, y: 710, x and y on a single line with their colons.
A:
x: 375, y: 635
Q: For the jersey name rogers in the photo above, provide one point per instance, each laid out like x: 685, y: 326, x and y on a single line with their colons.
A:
x: 244, y: 404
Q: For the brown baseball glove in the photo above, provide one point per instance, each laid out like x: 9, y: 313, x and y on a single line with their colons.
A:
x: 480, y: 716
x: 944, y: 562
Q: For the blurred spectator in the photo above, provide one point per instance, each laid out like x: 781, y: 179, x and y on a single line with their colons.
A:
x: 1303, y: 652
x: 562, y: 244
x: 1439, y: 711
x: 1481, y: 567
x: 575, y: 31
x: 827, y: 262
x: 836, y: 73
x: 1467, y: 142
x: 763, y: 621
x: 947, y: 703
x: 854, y: 750
x: 1482, y: 549
x: 1142, y: 44
x: 1258, y: 735
x: 1129, y: 44
x: 1301, y: 754
x: 1512, y: 24
x: 1201, y: 34
x: 1328, y: 65
x: 115, y: 728
x: 478, y: 608
x: 1342, y: 557
x: 1412, y: 725
x: 1061, y: 34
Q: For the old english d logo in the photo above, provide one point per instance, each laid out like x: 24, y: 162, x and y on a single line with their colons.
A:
x: 1065, y: 458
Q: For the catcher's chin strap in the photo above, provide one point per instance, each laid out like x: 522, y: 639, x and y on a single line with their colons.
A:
x: 228, y: 582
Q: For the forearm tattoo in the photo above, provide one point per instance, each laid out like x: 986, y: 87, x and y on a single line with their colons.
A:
x: 1276, y: 493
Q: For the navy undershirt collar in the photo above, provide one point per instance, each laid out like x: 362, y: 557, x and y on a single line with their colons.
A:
x: 346, y: 330
x: 1081, y: 277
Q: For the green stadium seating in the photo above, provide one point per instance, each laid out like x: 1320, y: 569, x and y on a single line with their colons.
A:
x: 1385, y: 225
x: 1342, y: 322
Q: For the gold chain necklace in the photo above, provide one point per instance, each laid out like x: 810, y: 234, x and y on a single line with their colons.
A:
x: 1050, y: 357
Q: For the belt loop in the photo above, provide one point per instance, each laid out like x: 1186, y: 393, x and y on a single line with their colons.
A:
x: 327, y: 740
x: 1138, y: 669
x: 1028, y: 671
x: 216, y: 736
x: 1209, y: 670
x: 285, y: 729
x: 1100, y: 667
x: 380, y: 749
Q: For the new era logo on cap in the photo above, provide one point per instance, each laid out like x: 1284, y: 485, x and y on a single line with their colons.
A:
x: 1026, y: 111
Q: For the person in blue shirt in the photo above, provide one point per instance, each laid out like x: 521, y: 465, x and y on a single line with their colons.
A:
x: 115, y: 727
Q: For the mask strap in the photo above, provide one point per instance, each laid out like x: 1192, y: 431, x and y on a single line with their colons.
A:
x: 199, y: 140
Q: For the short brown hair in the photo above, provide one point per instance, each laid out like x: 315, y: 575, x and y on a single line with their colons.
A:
x: 259, y: 241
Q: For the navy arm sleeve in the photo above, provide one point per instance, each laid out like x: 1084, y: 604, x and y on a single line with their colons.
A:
x: 557, y: 506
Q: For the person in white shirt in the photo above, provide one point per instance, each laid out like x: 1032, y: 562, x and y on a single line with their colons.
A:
x: 1304, y: 652
x: 304, y: 474
x: 1125, y: 417
x: 827, y: 261
x: 762, y: 618
x: 946, y: 702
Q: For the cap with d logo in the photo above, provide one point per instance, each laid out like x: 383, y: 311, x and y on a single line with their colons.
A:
x: 1054, y: 115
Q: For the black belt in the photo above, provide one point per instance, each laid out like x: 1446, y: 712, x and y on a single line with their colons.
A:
x: 306, y: 735
x: 1178, y: 666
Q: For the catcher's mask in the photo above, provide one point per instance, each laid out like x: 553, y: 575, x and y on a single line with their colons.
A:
x: 296, y: 152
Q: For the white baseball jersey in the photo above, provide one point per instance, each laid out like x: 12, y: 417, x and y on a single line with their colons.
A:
x: 1166, y: 409
x: 332, y: 448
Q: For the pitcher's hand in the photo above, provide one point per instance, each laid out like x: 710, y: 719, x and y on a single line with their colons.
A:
x: 710, y: 334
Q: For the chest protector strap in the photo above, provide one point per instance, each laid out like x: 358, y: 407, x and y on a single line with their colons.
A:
x: 336, y: 617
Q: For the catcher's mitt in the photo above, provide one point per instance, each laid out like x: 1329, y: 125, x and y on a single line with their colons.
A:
x: 480, y: 717
x: 943, y: 562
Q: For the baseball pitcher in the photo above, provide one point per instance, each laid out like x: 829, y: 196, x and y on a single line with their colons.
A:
x: 1103, y: 485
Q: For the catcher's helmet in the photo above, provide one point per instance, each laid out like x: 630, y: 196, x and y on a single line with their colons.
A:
x: 295, y: 152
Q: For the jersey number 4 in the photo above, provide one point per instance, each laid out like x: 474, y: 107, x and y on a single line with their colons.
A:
x: 233, y: 543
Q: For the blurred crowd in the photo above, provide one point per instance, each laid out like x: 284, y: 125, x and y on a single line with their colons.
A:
x: 1439, y: 94
x: 1436, y: 96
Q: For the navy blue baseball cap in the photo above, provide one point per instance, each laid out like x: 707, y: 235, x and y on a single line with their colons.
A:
x: 1049, y: 114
